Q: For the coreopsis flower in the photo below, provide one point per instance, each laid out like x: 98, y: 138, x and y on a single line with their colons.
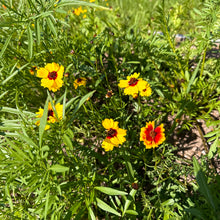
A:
x: 51, y: 75
x: 133, y: 85
x: 152, y: 137
x: 115, y: 135
x: 32, y: 70
x: 79, y: 82
x: 51, y: 116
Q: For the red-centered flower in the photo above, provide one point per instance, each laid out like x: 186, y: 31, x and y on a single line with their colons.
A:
x: 152, y: 137
x: 51, y: 75
x: 133, y: 85
x: 115, y: 135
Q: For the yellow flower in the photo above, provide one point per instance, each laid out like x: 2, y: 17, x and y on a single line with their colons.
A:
x: 133, y: 85
x: 51, y: 75
x: 32, y: 70
x: 115, y: 135
x: 79, y: 10
x: 92, y: 1
x: 51, y: 116
x: 152, y: 137
x: 79, y: 82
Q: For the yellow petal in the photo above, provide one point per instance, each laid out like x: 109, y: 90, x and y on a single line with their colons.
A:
x: 109, y: 123
x: 60, y: 72
x: 115, y: 141
x: 131, y: 90
x: 141, y: 85
x: 42, y: 73
x: 107, y: 145
x: 135, y: 75
x: 123, y: 83
x: 121, y: 131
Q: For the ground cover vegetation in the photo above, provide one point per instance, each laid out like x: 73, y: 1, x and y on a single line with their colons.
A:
x: 92, y: 94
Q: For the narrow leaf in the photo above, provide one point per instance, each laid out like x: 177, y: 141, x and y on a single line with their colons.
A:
x: 51, y: 26
x: 30, y: 42
x: 193, y: 77
x: 213, y: 148
x: 59, y: 168
x: 104, y: 206
x: 43, y: 122
x: 5, y: 46
x: 110, y: 191
x: 14, y: 73
x: 203, y: 186
x: 91, y: 214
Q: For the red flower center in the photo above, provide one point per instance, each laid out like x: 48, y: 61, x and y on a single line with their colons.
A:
x: 50, y: 113
x: 79, y: 80
x: 152, y: 134
x: 52, y: 75
x: 111, y: 133
x: 133, y: 82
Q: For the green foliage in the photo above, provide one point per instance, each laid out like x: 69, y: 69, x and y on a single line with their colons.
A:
x: 63, y: 172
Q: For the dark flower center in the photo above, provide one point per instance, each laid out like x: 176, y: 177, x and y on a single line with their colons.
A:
x: 111, y: 133
x: 79, y: 80
x: 52, y: 75
x: 133, y: 82
x: 152, y: 134
x: 50, y: 113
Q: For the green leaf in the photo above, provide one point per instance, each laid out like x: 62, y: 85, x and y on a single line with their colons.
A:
x: 168, y: 202
x: 27, y: 139
x: 46, y: 205
x: 37, y: 31
x: 5, y: 46
x: 14, y: 111
x: 14, y: 73
x: 110, y: 191
x: 203, y: 186
x: 80, y: 103
x: 20, y: 154
x: 131, y: 212
x: 30, y: 42
x: 128, y: 201
x: 104, y: 206
x: 59, y: 168
x: 129, y: 169
x: 91, y: 214
x: 193, y: 77
x: 67, y: 141
x: 51, y: 26
x: 43, y: 122
x: 213, y: 148
x: 212, y: 133
x: 196, y: 212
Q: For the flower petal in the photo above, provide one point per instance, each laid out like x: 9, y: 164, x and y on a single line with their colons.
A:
x: 123, y: 83
x: 107, y: 145
x: 42, y: 73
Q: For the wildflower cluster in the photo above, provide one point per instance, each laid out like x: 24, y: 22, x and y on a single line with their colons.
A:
x: 134, y: 86
x: 152, y: 137
x: 52, y: 75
